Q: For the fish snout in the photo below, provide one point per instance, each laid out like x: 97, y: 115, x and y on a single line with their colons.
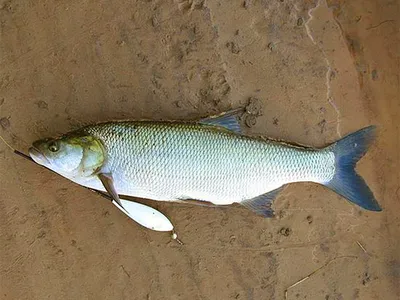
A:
x: 37, y: 156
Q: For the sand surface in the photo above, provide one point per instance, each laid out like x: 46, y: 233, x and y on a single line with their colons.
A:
x: 319, y: 70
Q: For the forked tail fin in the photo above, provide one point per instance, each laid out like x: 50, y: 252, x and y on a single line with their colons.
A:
x: 346, y: 181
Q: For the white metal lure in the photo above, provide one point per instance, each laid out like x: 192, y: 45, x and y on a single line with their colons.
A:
x: 145, y: 215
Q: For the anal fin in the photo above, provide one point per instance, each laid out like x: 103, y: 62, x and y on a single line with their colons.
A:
x: 261, y: 204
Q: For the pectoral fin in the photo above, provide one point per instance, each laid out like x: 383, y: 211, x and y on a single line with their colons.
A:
x: 261, y: 205
x: 107, y: 181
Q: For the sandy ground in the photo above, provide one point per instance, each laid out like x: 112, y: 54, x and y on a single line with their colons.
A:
x: 320, y: 70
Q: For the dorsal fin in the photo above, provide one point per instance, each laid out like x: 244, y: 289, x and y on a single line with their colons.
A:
x: 228, y: 120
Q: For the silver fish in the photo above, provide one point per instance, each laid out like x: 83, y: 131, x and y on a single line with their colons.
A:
x: 209, y: 160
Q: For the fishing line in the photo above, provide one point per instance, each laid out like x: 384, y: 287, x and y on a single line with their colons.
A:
x: 15, y: 150
x: 23, y: 155
x: 174, y: 235
x: 7, y: 144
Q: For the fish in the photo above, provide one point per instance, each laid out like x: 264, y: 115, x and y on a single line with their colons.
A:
x: 209, y: 160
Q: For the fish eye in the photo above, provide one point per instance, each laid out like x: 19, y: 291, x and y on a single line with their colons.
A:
x: 53, y: 147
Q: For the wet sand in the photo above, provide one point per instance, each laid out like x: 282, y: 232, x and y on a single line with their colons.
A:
x: 320, y: 71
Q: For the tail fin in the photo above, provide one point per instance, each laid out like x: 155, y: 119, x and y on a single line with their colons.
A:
x: 346, y: 181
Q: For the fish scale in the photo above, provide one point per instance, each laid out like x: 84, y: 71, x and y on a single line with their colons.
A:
x: 175, y: 161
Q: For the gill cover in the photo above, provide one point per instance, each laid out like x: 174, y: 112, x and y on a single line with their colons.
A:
x: 93, y: 155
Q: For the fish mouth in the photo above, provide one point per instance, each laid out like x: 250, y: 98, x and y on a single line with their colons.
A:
x: 38, y: 156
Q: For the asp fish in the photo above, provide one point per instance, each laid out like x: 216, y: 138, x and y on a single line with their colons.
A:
x: 209, y: 160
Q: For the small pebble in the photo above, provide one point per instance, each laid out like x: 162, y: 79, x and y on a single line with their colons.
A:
x: 250, y: 120
x: 271, y: 46
x: 299, y: 21
x: 233, y: 47
x: 285, y: 231
x: 254, y: 107
x: 154, y: 22
x: 374, y: 75
x: 5, y: 123
x: 179, y: 103
x: 42, y: 105
x: 197, y: 4
x: 309, y: 219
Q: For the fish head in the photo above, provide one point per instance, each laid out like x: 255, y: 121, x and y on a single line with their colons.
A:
x: 71, y: 155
